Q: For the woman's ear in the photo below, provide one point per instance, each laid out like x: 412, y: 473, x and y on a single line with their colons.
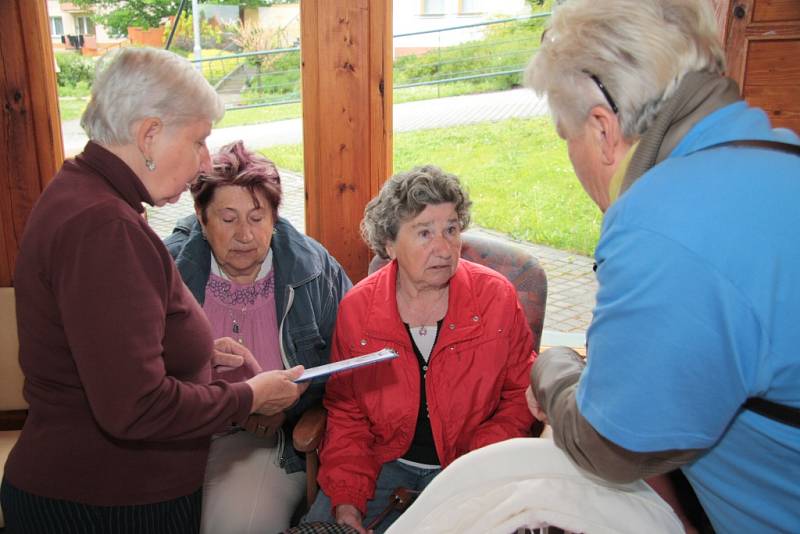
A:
x: 607, y: 132
x: 147, y: 132
x: 199, y: 214
x: 390, y: 250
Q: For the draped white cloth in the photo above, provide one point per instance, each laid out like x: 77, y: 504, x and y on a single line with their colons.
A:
x: 529, y: 482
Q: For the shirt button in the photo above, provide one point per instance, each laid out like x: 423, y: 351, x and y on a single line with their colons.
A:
x: 452, y: 348
x: 424, y: 367
x: 452, y: 326
x: 363, y: 342
x: 475, y: 318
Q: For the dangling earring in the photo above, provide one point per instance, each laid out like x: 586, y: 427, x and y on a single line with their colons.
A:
x: 150, y: 164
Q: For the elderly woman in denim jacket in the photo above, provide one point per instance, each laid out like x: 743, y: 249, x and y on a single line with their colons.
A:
x: 273, y: 290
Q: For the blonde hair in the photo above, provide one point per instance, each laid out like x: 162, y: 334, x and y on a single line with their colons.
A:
x: 639, y: 49
x: 134, y: 83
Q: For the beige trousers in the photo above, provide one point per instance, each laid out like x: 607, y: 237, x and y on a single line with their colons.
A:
x: 245, y: 490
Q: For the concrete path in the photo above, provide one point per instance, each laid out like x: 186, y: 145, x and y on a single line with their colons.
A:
x: 419, y: 115
x: 571, y: 281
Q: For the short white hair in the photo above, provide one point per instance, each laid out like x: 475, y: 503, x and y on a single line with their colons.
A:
x: 134, y: 83
x: 639, y: 49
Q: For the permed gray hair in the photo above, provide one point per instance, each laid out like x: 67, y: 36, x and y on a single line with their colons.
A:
x: 134, y: 83
x: 639, y: 49
x: 403, y: 197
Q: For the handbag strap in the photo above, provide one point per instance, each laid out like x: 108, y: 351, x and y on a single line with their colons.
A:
x: 788, y: 415
x: 757, y: 143
x: 400, y: 499
x: 754, y: 143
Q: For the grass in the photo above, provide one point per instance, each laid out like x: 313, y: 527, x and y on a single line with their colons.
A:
x: 517, y: 172
x: 72, y: 107
x: 241, y: 117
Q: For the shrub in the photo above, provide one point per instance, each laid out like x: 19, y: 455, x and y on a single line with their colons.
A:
x: 74, y: 69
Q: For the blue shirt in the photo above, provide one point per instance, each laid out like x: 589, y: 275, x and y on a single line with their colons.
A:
x: 697, y: 310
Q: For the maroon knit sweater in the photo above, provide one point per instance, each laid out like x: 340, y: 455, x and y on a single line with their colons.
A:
x: 114, y: 348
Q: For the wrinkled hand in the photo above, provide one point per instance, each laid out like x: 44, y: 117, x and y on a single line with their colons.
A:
x: 274, y: 391
x: 230, y: 355
x: 534, y: 407
x: 347, y: 514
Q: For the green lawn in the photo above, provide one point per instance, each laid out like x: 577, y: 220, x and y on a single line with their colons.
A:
x: 241, y: 117
x: 517, y: 172
x: 72, y: 107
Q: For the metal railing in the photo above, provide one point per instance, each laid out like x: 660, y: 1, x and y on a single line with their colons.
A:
x: 488, y: 54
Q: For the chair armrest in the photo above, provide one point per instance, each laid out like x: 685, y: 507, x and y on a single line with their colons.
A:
x: 308, y: 431
x: 12, y: 419
x: 264, y: 425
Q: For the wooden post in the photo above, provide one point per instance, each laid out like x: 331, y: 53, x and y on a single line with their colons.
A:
x: 31, y: 147
x: 347, y: 119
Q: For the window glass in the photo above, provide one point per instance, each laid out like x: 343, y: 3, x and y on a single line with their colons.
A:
x: 432, y: 7
x: 471, y: 6
x: 84, y: 25
x: 56, y: 26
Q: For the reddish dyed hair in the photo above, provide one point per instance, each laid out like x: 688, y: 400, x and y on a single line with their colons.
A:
x: 235, y: 165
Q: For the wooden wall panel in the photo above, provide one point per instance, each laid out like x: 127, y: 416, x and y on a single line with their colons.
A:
x: 762, y: 48
x: 346, y: 49
x: 31, y: 148
x: 776, y: 11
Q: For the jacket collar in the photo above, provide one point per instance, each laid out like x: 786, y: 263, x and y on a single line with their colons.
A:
x: 461, y: 322
x: 117, y: 173
x: 294, y: 261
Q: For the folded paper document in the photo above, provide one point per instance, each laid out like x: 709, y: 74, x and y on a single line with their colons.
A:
x: 344, y: 365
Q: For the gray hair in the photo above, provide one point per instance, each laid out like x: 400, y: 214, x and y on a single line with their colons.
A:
x: 403, y: 197
x: 134, y: 83
x: 639, y: 49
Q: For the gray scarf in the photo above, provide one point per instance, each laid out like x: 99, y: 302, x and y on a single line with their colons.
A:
x: 698, y: 95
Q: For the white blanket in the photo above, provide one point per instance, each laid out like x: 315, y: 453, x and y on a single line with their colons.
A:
x: 531, y: 483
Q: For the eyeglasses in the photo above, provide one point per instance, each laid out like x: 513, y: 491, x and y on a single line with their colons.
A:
x: 605, y: 92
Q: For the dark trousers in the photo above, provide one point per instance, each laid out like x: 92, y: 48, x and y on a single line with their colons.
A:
x: 31, y: 514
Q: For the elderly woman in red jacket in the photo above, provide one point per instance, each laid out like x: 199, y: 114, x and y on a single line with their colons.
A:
x: 464, y: 348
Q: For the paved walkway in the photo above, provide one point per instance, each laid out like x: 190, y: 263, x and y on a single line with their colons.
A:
x: 571, y: 282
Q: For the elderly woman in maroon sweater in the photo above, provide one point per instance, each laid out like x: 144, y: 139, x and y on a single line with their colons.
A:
x: 116, y: 351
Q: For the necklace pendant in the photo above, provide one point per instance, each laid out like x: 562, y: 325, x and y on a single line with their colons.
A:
x: 235, y: 327
x: 422, y: 331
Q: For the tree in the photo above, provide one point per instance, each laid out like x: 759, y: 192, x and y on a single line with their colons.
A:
x: 117, y: 15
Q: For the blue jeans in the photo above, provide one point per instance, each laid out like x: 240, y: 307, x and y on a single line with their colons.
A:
x: 392, y: 475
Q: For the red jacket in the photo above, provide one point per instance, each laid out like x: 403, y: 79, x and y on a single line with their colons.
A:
x: 476, y: 380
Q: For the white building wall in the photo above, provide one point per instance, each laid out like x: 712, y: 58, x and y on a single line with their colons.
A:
x: 409, y: 17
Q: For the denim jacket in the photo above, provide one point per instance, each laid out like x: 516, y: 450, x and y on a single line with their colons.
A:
x: 309, y: 283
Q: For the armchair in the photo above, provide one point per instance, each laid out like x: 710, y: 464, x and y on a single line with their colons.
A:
x: 13, y: 408
x: 520, y: 267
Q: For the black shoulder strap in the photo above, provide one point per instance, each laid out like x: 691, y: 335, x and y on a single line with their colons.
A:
x: 753, y: 143
x: 787, y: 415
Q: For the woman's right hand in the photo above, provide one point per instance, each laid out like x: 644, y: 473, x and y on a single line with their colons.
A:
x: 274, y: 391
x: 347, y: 514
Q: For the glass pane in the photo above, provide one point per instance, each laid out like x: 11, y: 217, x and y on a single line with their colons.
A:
x: 471, y: 6
x: 56, y: 26
x: 433, y: 7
